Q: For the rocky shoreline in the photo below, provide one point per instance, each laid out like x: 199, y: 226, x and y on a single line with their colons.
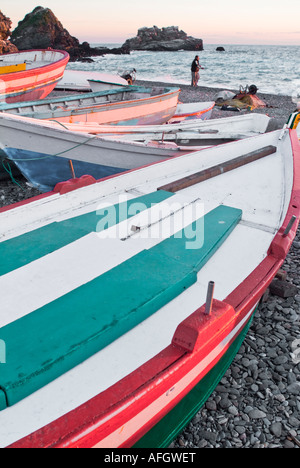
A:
x: 257, y: 402
x: 277, y: 107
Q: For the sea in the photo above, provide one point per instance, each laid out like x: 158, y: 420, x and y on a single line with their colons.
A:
x: 271, y: 68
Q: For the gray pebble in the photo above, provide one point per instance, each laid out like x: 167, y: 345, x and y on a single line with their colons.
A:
x: 257, y: 414
x: 294, y: 388
x: 276, y: 429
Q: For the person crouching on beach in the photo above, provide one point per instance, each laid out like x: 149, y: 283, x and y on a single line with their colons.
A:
x: 195, y: 71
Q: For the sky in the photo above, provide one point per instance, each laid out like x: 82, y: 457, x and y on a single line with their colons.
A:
x: 215, y: 21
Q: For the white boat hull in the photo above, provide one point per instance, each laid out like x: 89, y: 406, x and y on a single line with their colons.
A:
x: 42, y: 154
x: 78, y: 80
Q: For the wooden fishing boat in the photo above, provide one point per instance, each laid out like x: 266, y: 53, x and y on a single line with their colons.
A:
x: 130, y: 105
x: 193, y: 110
x: 46, y: 156
x: 106, y: 81
x: 184, y: 111
x: 30, y: 75
x: 78, y: 80
x: 135, y: 292
x: 221, y: 130
x: 186, y: 133
x: 41, y: 150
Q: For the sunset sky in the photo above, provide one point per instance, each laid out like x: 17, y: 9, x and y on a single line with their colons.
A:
x: 214, y: 21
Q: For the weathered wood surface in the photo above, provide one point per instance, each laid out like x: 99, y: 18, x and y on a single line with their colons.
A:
x: 214, y: 171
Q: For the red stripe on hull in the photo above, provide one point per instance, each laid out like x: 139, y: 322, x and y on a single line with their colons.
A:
x: 34, y: 94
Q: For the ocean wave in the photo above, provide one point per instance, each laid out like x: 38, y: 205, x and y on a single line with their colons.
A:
x: 270, y: 68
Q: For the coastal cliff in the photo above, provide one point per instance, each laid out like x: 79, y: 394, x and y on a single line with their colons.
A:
x: 5, y: 45
x: 164, y: 39
x: 41, y: 29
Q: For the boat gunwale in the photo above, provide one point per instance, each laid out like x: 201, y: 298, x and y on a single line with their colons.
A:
x: 106, y: 82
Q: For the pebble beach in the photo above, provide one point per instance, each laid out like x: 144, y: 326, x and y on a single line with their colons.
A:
x: 257, y: 402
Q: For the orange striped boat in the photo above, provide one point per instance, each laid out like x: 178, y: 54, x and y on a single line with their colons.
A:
x: 30, y: 75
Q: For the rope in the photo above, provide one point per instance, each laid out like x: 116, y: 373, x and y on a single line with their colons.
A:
x: 57, y: 154
x: 57, y: 121
x: 9, y: 171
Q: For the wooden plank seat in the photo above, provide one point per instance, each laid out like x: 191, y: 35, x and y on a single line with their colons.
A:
x: 219, y: 169
x: 12, y: 68
x: 49, y: 341
x: 28, y: 247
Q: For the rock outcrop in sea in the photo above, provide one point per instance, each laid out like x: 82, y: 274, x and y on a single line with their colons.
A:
x: 164, y: 39
x: 5, y: 45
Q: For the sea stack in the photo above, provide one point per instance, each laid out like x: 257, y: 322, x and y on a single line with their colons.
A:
x: 165, y: 39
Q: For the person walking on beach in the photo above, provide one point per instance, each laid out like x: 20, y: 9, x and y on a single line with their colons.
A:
x: 195, y: 71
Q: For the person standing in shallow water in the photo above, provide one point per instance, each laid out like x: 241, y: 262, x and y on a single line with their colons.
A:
x: 195, y: 71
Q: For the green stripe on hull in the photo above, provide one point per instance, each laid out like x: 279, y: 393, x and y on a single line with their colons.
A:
x: 169, y: 427
x: 20, y: 251
x: 48, y: 342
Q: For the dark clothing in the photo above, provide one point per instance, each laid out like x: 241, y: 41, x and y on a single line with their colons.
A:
x: 195, y: 66
x: 195, y: 71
